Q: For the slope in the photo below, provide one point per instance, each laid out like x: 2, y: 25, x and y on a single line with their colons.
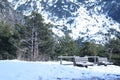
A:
x: 90, y: 19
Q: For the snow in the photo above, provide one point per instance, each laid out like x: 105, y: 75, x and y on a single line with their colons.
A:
x: 20, y: 2
x: 58, y: 32
x: 86, y: 23
x: 52, y: 70
x: 91, y: 25
x: 10, y: 0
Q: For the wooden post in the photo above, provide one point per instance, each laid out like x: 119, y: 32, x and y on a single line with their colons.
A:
x: 95, y: 59
x: 60, y: 59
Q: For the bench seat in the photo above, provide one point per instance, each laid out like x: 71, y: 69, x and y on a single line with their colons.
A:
x: 82, y: 62
x: 104, y: 61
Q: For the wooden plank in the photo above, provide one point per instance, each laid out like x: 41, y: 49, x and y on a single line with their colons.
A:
x: 82, y: 61
x: 102, y: 59
x: 65, y: 57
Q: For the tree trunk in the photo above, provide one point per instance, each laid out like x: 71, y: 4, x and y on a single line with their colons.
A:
x: 110, y: 53
x: 32, y: 44
x: 36, y: 46
x: 34, y: 49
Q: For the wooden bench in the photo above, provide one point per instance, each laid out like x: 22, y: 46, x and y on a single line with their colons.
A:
x: 65, y: 57
x: 82, y: 61
x: 103, y: 61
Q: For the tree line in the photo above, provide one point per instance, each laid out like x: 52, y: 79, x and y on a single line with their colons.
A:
x: 35, y: 41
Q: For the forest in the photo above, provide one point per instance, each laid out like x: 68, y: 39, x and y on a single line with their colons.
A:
x: 35, y: 41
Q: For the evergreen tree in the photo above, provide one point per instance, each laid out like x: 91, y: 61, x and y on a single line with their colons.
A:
x: 79, y: 44
x: 37, y: 40
x: 66, y: 46
x: 7, y: 50
x: 88, y: 49
x: 113, y: 47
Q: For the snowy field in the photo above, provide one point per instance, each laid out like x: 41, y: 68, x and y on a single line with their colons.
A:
x: 23, y: 70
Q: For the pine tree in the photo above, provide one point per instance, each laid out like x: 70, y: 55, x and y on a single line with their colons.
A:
x: 7, y: 50
x: 88, y: 49
x: 37, y: 40
x: 66, y: 46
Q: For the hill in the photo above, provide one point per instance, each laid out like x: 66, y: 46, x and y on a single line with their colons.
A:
x: 89, y: 19
x: 8, y: 14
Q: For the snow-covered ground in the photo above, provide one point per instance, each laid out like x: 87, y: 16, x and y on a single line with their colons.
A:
x: 23, y: 70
